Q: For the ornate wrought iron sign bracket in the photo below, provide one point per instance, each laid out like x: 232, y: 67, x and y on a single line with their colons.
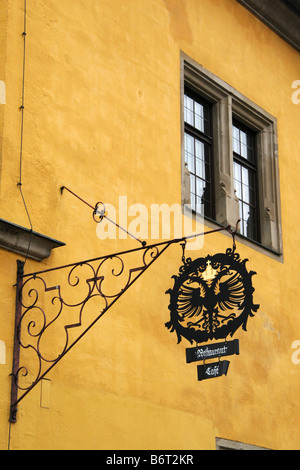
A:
x: 46, y: 327
x: 45, y: 308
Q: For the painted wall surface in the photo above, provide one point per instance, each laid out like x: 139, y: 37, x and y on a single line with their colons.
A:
x: 102, y: 117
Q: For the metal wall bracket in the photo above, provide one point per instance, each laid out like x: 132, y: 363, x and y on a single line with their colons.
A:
x: 46, y: 327
x: 45, y: 309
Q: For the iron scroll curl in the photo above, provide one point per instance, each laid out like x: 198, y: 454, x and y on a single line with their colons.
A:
x: 211, y: 298
x: 46, y: 308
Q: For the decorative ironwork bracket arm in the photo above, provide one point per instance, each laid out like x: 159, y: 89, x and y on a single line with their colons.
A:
x: 35, y: 294
x: 100, y: 214
x: 40, y: 303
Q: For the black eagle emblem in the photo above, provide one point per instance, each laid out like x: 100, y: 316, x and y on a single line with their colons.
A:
x: 211, y: 298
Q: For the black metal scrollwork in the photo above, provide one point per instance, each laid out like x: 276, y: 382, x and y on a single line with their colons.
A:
x: 212, y: 297
x: 46, y: 327
x: 45, y: 331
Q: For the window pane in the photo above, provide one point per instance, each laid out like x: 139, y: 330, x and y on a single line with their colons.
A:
x: 199, y: 187
x: 245, y: 193
x: 237, y: 179
x: 193, y: 184
x: 200, y: 168
x: 243, y: 142
x: 245, y: 175
x: 197, y: 114
x: 188, y: 110
x: 199, y: 205
x: 199, y: 117
x: 193, y: 201
x: 250, y: 147
x: 238, y: 189
x: 207, y: 127
x: 199, y: 150
x: 245, y: 185
x: 189, y: 152
x: 236, y: 139
x: 249, y: 222
x: 237, y: 172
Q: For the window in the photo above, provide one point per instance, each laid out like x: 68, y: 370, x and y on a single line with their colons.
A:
x: 230, y: 159
x: 198, y: 152
x: 245, y: 179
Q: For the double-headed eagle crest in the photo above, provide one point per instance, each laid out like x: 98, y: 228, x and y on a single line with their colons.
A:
x: 211, y: 298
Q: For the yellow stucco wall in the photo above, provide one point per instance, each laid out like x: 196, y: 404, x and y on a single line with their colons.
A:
x: 102, y: 117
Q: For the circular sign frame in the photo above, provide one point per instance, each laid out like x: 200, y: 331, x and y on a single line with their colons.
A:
x: 212, y: 297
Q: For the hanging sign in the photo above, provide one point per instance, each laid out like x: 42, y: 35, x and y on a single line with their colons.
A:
x: 212, y: 297
x: 212, y: 351
x: 210, y: 371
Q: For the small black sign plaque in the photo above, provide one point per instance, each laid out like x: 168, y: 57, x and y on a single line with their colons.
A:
x: 210, y: 371
x: 211, y: 351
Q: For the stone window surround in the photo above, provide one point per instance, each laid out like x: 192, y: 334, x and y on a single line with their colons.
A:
x: 228, y: 102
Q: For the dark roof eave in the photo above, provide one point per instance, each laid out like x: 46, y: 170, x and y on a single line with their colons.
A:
x: 281, y: 16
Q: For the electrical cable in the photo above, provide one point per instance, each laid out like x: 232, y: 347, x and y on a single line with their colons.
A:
x: 22, y: 107
x: 19, y: 184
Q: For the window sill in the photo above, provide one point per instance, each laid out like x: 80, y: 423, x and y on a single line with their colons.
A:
x: 212, y: 224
